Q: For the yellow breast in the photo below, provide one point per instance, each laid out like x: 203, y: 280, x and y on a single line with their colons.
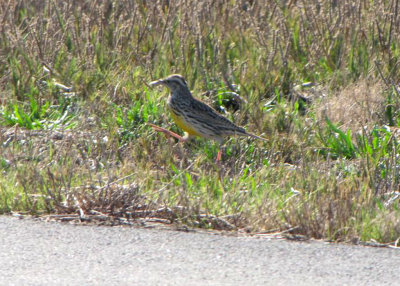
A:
x: 182, y: 123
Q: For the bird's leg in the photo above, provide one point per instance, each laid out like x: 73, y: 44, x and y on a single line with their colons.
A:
x: 167, y: 132
x: 219, y: 155
x: 218, y: 161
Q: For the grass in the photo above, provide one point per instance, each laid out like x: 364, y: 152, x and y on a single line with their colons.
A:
x: 321, y: 87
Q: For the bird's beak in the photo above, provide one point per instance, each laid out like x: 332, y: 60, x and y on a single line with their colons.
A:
x: 156, y: 82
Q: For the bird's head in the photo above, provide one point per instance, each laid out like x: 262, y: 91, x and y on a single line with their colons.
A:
x: 173, y: 82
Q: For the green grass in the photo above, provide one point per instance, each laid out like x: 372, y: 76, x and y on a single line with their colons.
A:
x: 321, y: 88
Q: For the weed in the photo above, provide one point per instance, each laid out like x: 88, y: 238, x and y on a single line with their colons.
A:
x: 74, y: 104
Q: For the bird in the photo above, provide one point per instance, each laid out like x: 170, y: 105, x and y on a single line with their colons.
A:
x: 195, y: 117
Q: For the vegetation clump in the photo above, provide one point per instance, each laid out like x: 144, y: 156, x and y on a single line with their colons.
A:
x: 319, y: 79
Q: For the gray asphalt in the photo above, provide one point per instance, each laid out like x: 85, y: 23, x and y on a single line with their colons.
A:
x: 50, y: 253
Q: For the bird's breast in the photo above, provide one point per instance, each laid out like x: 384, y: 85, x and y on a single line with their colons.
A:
x: 181, y: 121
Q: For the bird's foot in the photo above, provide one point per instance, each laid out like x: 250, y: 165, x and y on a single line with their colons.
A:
x: 167, y: 132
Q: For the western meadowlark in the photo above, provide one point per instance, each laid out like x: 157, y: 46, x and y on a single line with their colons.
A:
x: 194, y: 116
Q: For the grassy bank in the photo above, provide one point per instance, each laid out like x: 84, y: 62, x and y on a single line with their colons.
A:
x: 317, y: 80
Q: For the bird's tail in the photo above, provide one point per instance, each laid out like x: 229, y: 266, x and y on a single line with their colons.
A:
x: 255, y: 136
x: 251, y: 135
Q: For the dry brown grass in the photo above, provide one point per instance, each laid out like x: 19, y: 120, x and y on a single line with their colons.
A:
x: 106, y: 162
x: 358, y: 106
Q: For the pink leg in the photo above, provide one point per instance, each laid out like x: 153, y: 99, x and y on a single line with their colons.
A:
x: 219, y: 155
x: 167, y: 132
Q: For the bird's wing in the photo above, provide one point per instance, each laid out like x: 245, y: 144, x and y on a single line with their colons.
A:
x: 207, y: 115
x: 219, y: 124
